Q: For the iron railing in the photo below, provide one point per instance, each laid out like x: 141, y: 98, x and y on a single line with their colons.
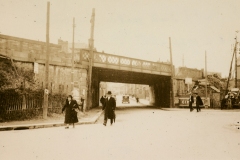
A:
x: 108, y: 59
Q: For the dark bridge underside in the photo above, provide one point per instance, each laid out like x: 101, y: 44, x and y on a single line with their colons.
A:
x: 159, y: 83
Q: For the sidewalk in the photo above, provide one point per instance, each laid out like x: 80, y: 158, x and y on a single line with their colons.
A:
x: 89, y: 117
x: 202, y: 109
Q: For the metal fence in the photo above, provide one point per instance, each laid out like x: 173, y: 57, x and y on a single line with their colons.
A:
x: 125, y: 63
x: 19, y: 106
x: 13, y: 101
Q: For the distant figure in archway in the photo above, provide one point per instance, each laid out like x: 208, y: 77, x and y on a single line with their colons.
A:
x: 82, y: 103
x: 103, y: 100
x: 109, y: 109
x: 137, y: 99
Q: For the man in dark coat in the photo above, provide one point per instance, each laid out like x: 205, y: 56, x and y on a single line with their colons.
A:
x: 70, y: 114
x: 103, y: 100
x: 191, y: 101
x: 109, y: 108
x: 198, y: 102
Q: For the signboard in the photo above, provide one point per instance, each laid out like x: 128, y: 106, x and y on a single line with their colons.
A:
x: 46, y: 91
x: 35, y: 70
x: 184, y: 102
x: 188, y: 80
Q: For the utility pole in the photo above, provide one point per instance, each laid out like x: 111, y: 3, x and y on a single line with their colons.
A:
x: 236, y: 62
x: 172, y: 73
x: 45, y: 100
x: 91, y: 47
x: 72, y: 69
x: 206, y: 76
x: 230, y: 70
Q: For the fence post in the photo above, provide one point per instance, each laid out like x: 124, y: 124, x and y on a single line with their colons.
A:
x: 24, y: 106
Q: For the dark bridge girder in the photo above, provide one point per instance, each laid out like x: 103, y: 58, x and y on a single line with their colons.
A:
x: 159, y: 84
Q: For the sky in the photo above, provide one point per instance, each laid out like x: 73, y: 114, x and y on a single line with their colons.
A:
x: 137, y: 28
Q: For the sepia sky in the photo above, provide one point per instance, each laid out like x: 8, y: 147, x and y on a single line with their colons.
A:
x: 135, y: 28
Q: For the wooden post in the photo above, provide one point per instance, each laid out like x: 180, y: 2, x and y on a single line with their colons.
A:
x: 172, y: 73
x: 91, y: 47
x: 72, y: 68
x: 236, y: 62
x: 45, y: 104
x: 206, y: 100
x: 24, y: 104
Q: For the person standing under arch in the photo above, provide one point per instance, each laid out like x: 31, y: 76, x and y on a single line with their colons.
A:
x: 103, y: 100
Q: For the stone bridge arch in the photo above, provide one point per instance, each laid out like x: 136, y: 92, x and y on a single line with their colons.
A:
x: 159, y: 84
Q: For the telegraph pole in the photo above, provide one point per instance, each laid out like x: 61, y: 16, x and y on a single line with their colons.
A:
x: 230, y: 70
x: 172, y: 73
x: 72, y: 71
x: 91, y: 47
x: 236, y: 62
x: 45, y: 100
x: 206, y: 75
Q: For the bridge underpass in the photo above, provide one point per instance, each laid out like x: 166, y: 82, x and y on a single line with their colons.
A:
x: 113, y: 68
x: 159, y: 85
x: 126, y: 94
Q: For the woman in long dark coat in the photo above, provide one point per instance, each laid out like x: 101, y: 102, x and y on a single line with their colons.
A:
x: 70, y: 114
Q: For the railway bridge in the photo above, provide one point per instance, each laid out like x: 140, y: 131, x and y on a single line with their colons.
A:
x: 113, y: 68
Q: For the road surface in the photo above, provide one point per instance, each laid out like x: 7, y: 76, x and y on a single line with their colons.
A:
x: 132, y: 102
x: 138, y: 134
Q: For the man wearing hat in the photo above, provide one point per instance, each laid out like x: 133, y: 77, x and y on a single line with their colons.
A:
x: 109, y: 108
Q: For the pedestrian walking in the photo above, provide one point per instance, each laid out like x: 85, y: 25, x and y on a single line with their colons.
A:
x: 198, y: 102
x: 223, y: 103
x: 137, y: 99
x: 82, y: 102
x: 109, y: 109
x: 70, y: 114
x: 191, y: 101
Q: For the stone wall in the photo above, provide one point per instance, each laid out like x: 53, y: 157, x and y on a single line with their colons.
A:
x: 59, y: 77
x: 26, y: 53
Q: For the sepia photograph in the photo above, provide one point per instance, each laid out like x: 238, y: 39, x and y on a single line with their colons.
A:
x: 119, y: 79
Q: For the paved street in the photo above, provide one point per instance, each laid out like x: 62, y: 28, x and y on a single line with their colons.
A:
x: 142, y: 102
x: 139, y: 133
